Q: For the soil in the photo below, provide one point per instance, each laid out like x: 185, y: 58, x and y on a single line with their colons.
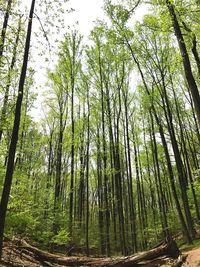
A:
x: 13, y: 257
x: 193, y: 258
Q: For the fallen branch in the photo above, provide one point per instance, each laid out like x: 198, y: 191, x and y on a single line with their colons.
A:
x: 181, y: 259
x: 146, y: 258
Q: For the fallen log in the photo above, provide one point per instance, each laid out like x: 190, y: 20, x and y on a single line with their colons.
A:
x: 179, y: 262
x: 142, y: 259
x: 169, y: 249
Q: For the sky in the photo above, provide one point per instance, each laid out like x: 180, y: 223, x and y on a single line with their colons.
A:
x: 86, y: 12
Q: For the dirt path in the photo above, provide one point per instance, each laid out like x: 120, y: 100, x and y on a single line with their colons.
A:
x: 193, y: 259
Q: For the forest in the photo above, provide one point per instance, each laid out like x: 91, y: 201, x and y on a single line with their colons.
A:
x: 111, y: 168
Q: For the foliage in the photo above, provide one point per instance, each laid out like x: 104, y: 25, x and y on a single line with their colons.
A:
x: 113, y: 165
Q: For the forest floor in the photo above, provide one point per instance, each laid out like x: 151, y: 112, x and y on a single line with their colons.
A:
x: 193, y: 252
x: 13, y: 257
x: 193, y: 258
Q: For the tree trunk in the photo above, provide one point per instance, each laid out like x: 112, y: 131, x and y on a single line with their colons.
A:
x: 195, y: 53
x: 58, y: 174
x: 100, y: 193
x: 169, y: 165
x: 169, y: 250
x: 130, y: 179
x: 186, y: 61
x: 165, y: 221
x: 179, y: 163
x: 72, y: 151
x: 4, y: 29
x: 104, y: 148
x: 5, y: 101
x: 87, y: 172
x: 15, y: 132
x: 185, y: 153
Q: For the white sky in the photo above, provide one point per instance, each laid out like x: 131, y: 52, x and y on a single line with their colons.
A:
x: 86, y: 12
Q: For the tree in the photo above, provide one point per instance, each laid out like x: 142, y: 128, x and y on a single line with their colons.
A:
x: 185, y: 57
x: 11, y: 68
x: 4, y: 28
x: 15, y: 132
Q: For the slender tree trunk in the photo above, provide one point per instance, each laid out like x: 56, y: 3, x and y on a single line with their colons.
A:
x: 87, y: 173
x: 139, y: 191
x: 194, y: 46
x: 82, y: 176
x: 107, y: 213
x: 179, y: 163
x: 130, y: 180
x: 152, y: 205
x: 14, y: 138
x: 5, y: 101
x: 112, y: 157
x: 172, y: 181
x: 195, y: 53
x: 58, y: 174
x: 185, y: 153
x: 118, y: 177
x: 72, y: 150
x: 186, y: 61
x: 155, y: 151
x: 100, y: 193
x: 170, y: 169
x: 126, y: 187
x: 4, y: 29
x: 49, y: 171
x: 194, y: 117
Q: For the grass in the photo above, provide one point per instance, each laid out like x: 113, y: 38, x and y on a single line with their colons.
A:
x: 186, y: 247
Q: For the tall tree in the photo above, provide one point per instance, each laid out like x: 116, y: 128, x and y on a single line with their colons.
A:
x: 8, y: 84
x: 185, y: 57
x: 4, y: 28
x: 15, y: 132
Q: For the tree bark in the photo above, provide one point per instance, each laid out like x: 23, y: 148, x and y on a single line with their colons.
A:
x: 4, y: 29
x: 12, y: 65
x: 186, y: 61
x: 15, y: 132
x: 87, y: 172
x: 169, y: 250
x: 104, y: 148
x: 164, y: 142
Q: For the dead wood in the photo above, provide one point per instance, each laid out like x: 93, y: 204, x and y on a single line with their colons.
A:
x: 153, y: 257
x: 181, y: 259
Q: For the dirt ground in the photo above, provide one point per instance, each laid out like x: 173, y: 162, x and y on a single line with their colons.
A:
x: 13, y: 257
x: 193, y: 259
